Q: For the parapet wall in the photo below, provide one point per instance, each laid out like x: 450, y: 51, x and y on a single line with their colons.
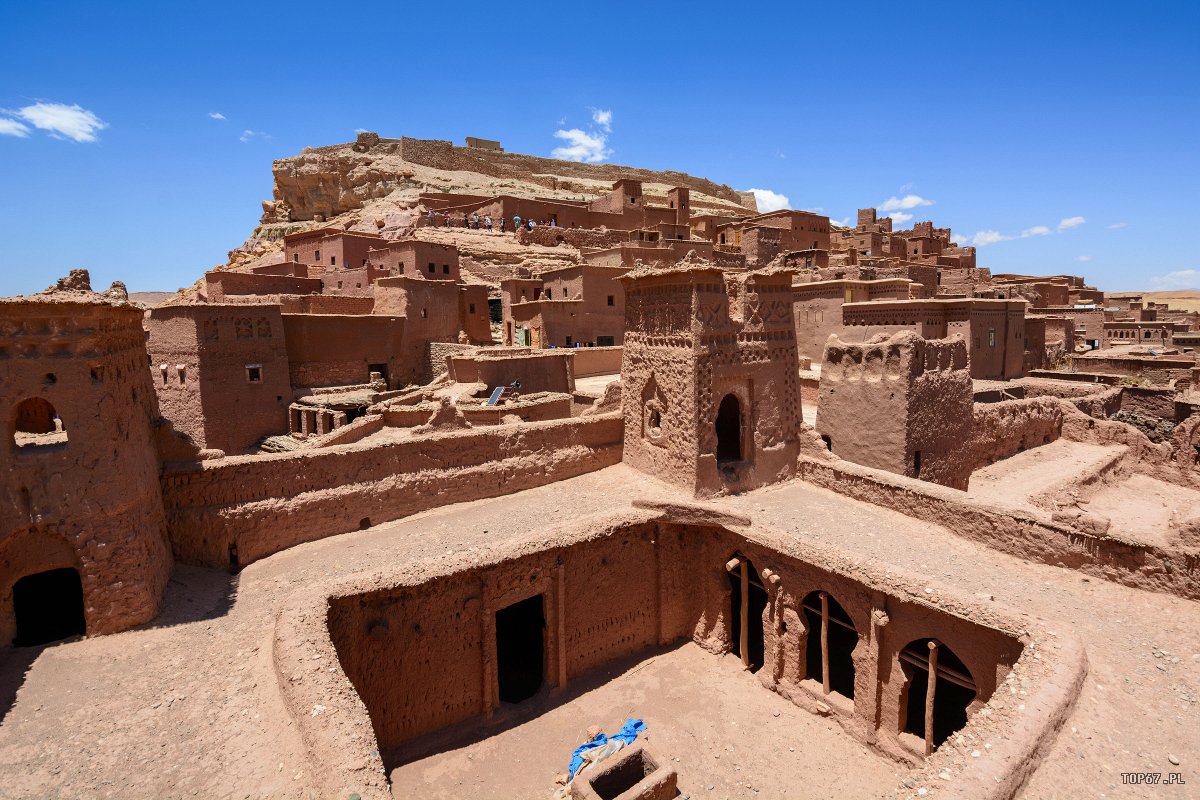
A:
x: 1006, y: 428
x: 263, y: 504
x: 553, y: 236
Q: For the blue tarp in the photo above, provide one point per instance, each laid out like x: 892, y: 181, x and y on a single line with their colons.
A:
x: 627, y: 735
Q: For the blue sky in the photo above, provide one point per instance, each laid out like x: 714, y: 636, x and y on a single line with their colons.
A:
x: 1012, y: 121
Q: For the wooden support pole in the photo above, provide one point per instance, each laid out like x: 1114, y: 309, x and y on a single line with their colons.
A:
x: 824, y: 642
x: 561, y: 602
x: 931, y: 689
x: 744, y: 640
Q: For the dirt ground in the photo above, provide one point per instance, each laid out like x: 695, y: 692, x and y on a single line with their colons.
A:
x: 189, y: 706
x: 742, y: 741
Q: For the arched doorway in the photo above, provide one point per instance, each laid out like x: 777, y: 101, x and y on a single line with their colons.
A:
x: 943, y: 702
x: 746, y: 618
x: 729, y: 429
x: 48, y: 606
x: 832, y: 637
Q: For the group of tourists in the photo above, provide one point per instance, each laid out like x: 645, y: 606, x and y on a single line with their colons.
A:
x: 475, y: 222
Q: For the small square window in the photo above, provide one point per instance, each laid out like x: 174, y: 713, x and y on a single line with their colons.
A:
x: 432, y: 268
x: 333, y: 261
x: 471, y: 308
x: 254, y: 373
x: 612, y: 301
x: 445, y: 269
x: 316, y: 255
x: 424, y: 313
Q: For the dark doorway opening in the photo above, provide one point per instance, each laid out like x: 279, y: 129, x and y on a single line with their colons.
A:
x: 841, y: 638
x: 756, y: 605
x: 729, y: 429
x: 381, y: 369
x: 48, y: 607
x: 953, y: 693
x: 520, y: 649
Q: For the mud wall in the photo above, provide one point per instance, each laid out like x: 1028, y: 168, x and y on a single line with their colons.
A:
x: 424, y: 657
x: 89, y: 500
x: 263, y: 504
x: 1006, y: 428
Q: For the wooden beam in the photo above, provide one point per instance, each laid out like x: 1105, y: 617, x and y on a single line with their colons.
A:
x: 825, y: 642
x: 930, y: 691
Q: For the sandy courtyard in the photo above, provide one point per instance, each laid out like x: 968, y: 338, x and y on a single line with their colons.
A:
x: 724, y: 733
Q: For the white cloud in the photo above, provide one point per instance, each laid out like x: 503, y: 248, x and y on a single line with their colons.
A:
x: 1180, y: 279
x: 906, y: 187
x: 768, y: 200
x: 899, y: 217
x: 1117, y: 226
x: 215, y: 115
x: 248, y: 135
x: 360, y: 130
x: 1036, y: 230
x: 845, y: 223
x: 814, y: 210
x: 894, y: 203
x: 984, y: 238
x: 11, y: 127
x: 1070, y: 222
x: 602, y: 118
x: 581, y: 145
x: 63, y: 121
x: 1083, y: 258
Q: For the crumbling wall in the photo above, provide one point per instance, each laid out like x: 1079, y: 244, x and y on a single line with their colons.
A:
x: 899, y: 403
x: 262, y: 504
x: 1006, y: 428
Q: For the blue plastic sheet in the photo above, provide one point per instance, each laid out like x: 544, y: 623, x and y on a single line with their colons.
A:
x: 628, y: 733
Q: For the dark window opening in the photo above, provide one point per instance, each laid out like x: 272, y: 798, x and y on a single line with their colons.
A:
x: 729, y: 429
x: 254, y: 374
x: 445, y: 269
x: 917, y: 464
x: 520, y: 649
x: 612, y: 300
x: 432, y: 268
x: 470, y: 308
x: 841, y: 638
x: 38, y: 424
x: 605, y: 341
x: 828, y: 443
x: 954, y: 691
x: 380, y: 368
x: 756, y: 605
x: 48, y: 607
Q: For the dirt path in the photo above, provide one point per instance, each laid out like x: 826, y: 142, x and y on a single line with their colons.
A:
x: 1015, y: 479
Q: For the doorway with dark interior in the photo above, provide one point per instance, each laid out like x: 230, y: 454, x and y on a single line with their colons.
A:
x: 755, y: 606
x: 953, y: 692
x: 729, y: 429
x: 520, y: 649
x: 832, y: 664
x: 48, y: 607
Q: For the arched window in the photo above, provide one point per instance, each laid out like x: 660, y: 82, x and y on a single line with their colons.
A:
x: 832, y: 638
x: 37, y: 424
x: 729, y: 429
x: 747, y: 602
x: 937, y: 691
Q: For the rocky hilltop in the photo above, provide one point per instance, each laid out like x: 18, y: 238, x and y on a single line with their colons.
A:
x: 374, y: 185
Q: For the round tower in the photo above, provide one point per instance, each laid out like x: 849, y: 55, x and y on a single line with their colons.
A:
x: 83, y: 544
